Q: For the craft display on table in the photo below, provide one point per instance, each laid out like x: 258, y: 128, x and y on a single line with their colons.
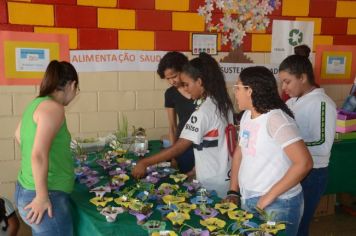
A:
x: 110, y: 213
x: 162, y: 190
x: 178, y: 177
x: 213, y: 223
x: 154, y: 226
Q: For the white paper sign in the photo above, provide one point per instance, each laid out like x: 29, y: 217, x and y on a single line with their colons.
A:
x: 288, y: 34
x: 32, y: 59
x: 336, y: 65
x: 125, y: 60
x: 115, y: 60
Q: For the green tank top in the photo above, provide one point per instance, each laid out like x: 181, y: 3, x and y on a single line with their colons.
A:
x: 60, y: 165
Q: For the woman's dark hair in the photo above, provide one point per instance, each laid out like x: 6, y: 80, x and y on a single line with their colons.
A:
x: 265, y: 95
x: 302, y: 50
x: 3, y: 216
x: 57, y: 75
x: 298, y: 65
x: 208, y: 70
x: 172, y: 60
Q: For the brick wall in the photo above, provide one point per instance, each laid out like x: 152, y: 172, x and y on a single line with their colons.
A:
x: 122, y: 24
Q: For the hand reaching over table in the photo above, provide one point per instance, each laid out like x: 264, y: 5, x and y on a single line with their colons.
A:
x: 139, y: 170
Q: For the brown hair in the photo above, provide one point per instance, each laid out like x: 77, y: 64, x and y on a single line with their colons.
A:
x: 57, y: 75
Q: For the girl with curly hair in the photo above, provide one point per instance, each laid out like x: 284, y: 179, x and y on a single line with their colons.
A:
x: 271, y: 158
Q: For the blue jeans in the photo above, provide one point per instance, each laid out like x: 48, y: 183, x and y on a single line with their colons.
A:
x: 314, y: 185
x: 186, y: 161
x: 287, y: 210
x: 61, y: 222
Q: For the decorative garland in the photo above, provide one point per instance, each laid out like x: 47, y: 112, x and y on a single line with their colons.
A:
x: 239, y: 16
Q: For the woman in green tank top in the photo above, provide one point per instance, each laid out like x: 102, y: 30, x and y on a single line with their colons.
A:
x: 46, y: 176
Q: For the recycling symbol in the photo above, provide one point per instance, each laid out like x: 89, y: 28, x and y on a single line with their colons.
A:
x: 295, y: 37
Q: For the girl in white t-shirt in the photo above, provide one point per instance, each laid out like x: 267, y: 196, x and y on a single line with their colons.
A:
x: 271, y: 158
x: 315, y: 115
x: 203, y: 79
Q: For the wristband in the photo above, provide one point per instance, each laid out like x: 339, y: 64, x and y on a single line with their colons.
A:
x: 233, y: 193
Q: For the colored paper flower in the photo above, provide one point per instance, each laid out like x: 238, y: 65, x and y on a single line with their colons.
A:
x: 178, y: 217
x: 123, y: 201
x: 193, y: 185
x: 206, y: 212
x: 172, y: 199
x: 225, y: 207
x: 213, y: 223
x: 111, y: 213
x: 239, y: 215
x: 98, y: 201
x: 272, y: 227
x: 165, y: 209
x: 154, y: 226
x: 164, y: 233
x: 100, y: 191
x: 186, y: 207
x: 201, y: 200
x: 140, y: 207
x: 178, y: 177
x: 200, y: 232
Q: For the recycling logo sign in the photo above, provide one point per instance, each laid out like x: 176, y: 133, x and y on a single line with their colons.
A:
x: 295, y: 37
x: 288, y: 34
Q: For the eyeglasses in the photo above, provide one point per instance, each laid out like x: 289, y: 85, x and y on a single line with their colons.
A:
x: 237, y: 86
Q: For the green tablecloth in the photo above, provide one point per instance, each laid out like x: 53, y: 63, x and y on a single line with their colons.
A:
x: 88, y: 221
x: 342, y: 168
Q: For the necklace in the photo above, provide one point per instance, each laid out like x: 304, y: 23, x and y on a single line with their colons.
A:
x: 198, y: 102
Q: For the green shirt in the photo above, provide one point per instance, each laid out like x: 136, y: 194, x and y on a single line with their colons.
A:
x: 60, y: 165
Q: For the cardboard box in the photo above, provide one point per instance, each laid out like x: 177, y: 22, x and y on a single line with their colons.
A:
x: 326, y: 206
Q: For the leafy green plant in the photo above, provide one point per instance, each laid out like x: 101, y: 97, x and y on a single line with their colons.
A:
x: 123, y: 129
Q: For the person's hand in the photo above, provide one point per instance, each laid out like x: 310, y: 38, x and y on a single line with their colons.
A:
x: 139, y: 170
x: 38, y: 207
x: 191, y: 174
x: 264, y: 201
x: 232, y: 198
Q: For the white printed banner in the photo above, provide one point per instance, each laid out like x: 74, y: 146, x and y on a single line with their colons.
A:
x: 126, y: 60
x: 115, y: 60
x: 288, y: 34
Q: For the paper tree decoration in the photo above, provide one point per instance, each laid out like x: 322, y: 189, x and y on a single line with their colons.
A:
x: 239, y: 17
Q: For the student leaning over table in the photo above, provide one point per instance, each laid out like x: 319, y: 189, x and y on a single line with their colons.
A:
x: 205, y: 129
x: 315, y: 114
x: 47, y: 175
x: 271, y: 158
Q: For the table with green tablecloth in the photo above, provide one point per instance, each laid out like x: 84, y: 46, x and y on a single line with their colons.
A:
x: 88, y: 220
x: 342, y: 168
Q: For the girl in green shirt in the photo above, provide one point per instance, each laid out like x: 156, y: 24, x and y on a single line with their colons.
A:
x: 46, y: 175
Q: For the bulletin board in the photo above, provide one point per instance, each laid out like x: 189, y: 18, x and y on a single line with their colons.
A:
x: 335, y: 64
x: 24, y: 56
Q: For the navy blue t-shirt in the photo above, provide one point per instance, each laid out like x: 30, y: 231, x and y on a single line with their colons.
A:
x: 183, y: 106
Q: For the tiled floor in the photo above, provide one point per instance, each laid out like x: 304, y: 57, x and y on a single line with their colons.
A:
x: 339, y: 224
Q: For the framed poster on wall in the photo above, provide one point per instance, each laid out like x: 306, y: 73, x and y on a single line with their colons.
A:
x: 204, y: 43
x: 24, y: 56
x: 335, y: 64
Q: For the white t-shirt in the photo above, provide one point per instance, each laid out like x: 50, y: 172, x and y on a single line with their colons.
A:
x: 264, y: 162
x: 206, y: 129
x: 315, y: 114
x: 9, y: 210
